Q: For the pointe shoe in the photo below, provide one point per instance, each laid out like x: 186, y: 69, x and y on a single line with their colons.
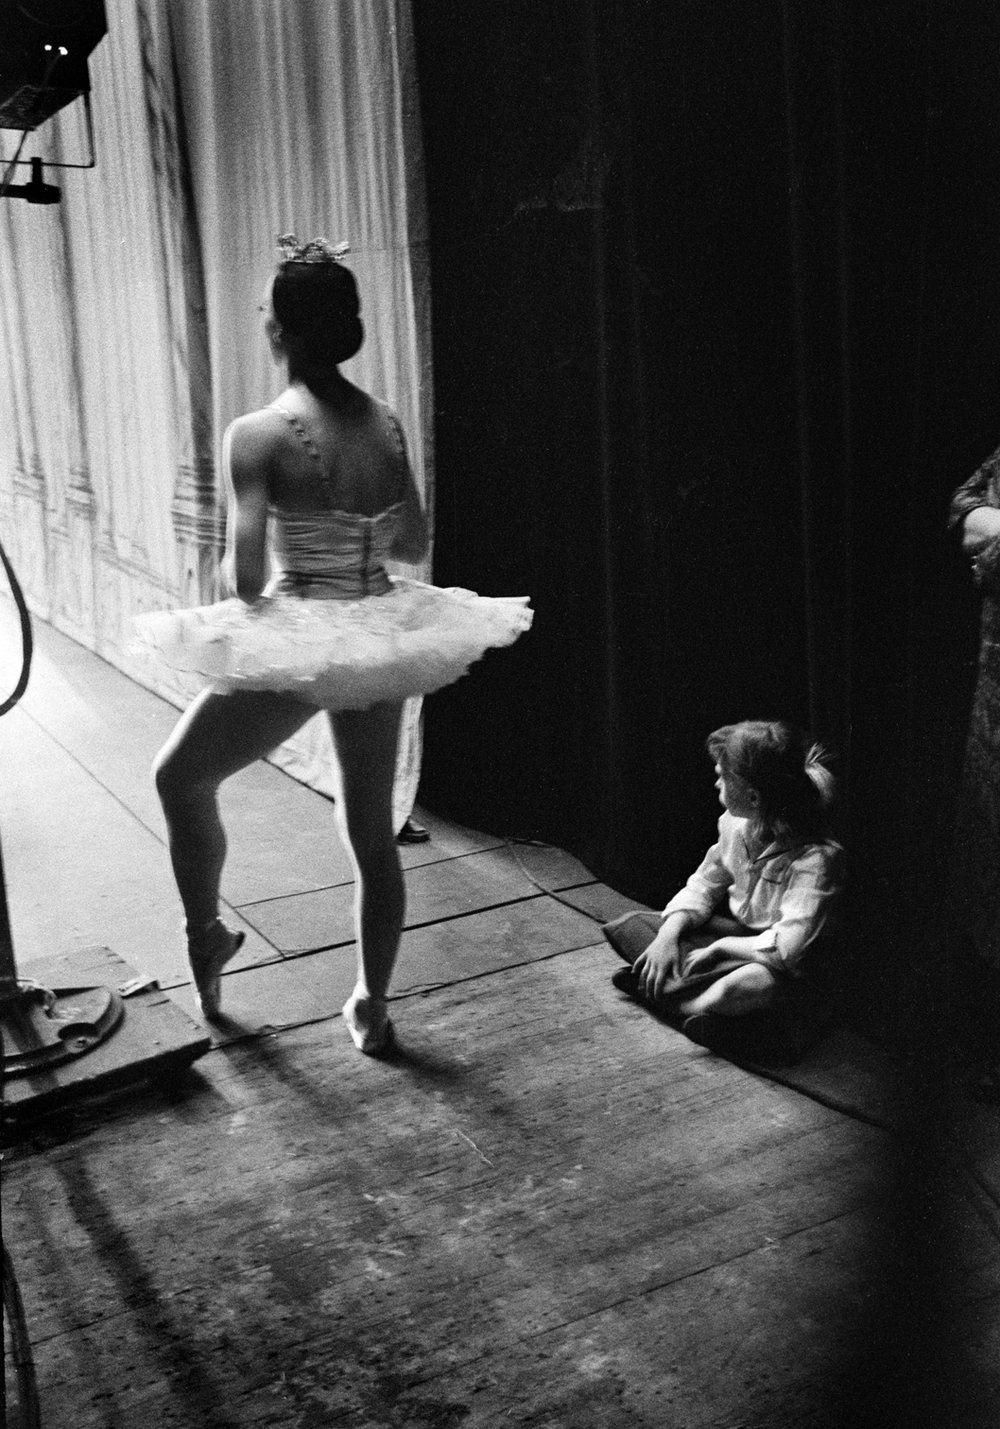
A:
x: 208, y: 955
x: 368, y: 1023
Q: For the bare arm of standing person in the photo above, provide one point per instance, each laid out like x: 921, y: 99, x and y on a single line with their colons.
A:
x: 246, y: 454
x: 411, y: 539
x: 412, y: 536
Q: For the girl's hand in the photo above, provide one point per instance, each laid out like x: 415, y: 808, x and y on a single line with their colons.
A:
x: 655, y: 967
x: 702, y: 960
x: 980, y: 529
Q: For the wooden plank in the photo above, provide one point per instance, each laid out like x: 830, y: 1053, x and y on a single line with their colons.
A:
x: 553, y: 868
x: 61, y: 832
x: 853, y: 1074
x: 547, y: 1208
x: 101, y: 718
x: 532, y: 930
x: 604, y: 903
x: 287, y: 993
x: 447, y: 840
x: 283, y: 839
x: 316, y: 985
x: 81, y: 870
x: 440, y: 890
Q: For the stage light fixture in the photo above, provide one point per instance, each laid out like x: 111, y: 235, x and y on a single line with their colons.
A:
x: 45, y: 46
x: 44, y: 49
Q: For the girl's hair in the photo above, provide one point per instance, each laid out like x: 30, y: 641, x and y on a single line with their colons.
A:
x: 785, y: 766
x: 318, y: 307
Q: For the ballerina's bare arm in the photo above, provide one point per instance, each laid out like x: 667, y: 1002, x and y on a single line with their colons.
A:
x: 246, y: 453
x: 411, y: 539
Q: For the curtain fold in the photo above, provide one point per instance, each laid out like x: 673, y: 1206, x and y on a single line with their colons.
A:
x: 608, y: 196
x: 738, y: 353
x: 131, y: 332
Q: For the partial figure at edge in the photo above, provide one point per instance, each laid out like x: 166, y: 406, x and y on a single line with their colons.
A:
x: 975, y: 884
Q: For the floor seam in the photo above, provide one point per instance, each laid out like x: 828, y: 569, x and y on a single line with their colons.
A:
x: 410, y: 927
x: 160, y: 839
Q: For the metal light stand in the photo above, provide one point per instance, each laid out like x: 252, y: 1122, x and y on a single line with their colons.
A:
x: 49, y: 1021
x: 42, y: 1027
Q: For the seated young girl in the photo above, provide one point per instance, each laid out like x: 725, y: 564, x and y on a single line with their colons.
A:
x: 743, y: 936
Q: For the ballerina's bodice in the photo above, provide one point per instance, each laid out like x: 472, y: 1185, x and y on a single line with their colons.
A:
x: 329, y: 553
x: 339, y: 555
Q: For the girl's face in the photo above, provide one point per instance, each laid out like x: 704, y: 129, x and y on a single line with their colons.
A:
x: 736, y: 795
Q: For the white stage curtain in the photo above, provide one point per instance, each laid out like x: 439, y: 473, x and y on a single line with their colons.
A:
x: 131, y: 333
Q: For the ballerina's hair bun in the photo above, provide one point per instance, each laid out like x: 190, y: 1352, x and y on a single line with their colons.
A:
x: 315, y: 299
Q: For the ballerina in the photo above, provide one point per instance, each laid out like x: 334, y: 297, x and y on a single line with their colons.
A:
x: 330, y: 629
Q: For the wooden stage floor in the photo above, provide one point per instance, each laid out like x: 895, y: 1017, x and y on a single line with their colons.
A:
x: 546, y: 1209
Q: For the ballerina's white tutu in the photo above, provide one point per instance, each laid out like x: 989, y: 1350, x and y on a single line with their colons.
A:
x: 333, y: 627
x: 333, y: 652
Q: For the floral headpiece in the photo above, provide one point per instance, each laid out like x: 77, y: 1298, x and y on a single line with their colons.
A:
x: 317, y: 250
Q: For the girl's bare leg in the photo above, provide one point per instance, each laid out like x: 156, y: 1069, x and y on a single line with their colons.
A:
x: 365, y: 742
x: 217, y: 735
x: 746, y: 989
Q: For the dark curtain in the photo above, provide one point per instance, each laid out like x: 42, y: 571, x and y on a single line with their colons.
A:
x: 712, y: 344
x: 714, y: 293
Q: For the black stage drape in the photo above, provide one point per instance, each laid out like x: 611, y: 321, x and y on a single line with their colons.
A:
x: 715, y: 292
x: 713, y: 341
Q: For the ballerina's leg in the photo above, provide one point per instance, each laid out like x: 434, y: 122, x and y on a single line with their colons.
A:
x: 365, y: 742
x: 218, y: 735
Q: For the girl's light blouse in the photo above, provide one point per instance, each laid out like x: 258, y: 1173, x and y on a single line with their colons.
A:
x: 783, y: 896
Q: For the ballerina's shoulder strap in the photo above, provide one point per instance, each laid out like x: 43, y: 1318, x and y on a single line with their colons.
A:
x: 307, y: 442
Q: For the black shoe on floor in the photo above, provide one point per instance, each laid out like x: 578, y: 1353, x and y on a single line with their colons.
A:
x: 624, y: 980
x: 412, y: 833
x: 741, y: 1039
x: 709, y: 1030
